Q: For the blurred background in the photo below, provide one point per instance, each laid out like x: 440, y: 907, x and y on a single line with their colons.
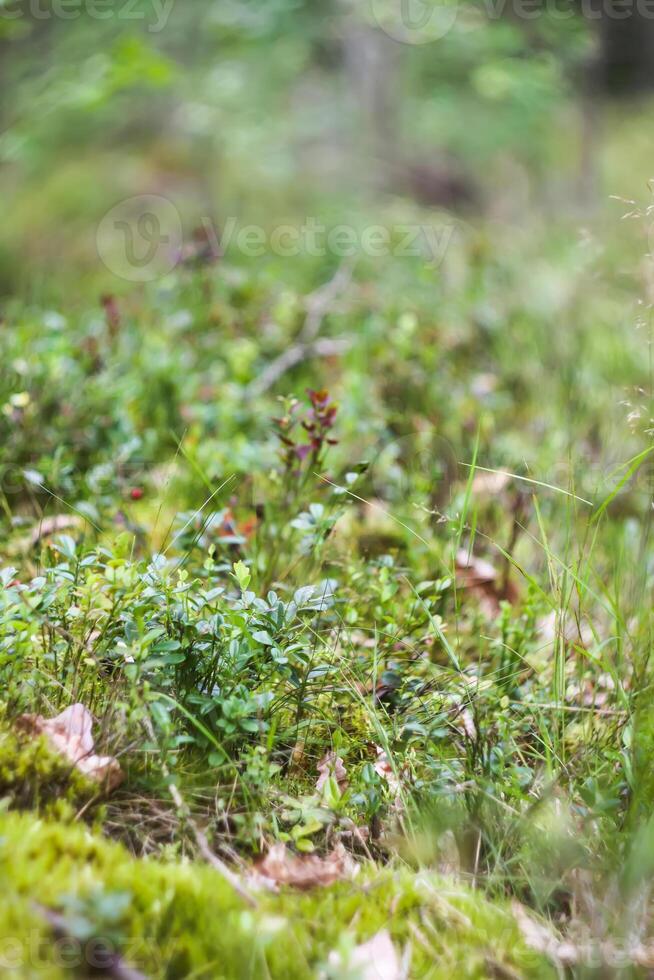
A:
x: 501, y: 113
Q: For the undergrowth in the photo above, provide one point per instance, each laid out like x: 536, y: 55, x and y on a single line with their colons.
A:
x: 382, y: 567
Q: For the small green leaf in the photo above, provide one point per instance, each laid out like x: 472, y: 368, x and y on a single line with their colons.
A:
x: 242, y: 575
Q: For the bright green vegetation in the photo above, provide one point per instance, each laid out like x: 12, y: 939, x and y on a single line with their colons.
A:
x: 230, y: 609
x: 179, y: 919
x: 239, y: 570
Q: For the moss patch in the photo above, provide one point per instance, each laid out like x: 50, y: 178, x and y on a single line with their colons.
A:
x: 181, y: 920
x: 34, y: 777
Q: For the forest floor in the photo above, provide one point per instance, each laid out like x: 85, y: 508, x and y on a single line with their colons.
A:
x: 333, y: 663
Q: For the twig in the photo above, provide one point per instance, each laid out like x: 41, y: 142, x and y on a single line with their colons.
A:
x: 319, y: 303
x: 596, y: 710
x: 115, y: 966
x: 208, y: 854
x: 199, y: 835
x: 308, y: 344
x: 323, y: 347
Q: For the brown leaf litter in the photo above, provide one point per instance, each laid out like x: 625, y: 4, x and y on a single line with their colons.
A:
x: 384, y: 769
x: 331, y: 765
x: 591, y: 952
x: 376, y: 959
x: 482, y: 580
x: 70, y: 735
x: 281, y: 867
x: 48, y: 526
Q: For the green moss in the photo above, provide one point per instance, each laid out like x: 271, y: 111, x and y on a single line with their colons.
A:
x: 180, y: 919
x: 34, y: 777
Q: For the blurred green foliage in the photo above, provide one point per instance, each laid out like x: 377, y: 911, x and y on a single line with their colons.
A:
x: 260, y: 109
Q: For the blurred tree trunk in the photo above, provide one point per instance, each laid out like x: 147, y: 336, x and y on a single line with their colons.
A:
x: 371, y: 62
x: 627, y: 47
x: 373, y: 68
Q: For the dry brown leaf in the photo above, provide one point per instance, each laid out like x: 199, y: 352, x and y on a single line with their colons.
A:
x: 331, y: 765
x: 485, y: 484
x: 53, y: 525
x: 375, y: 960
x: 473, y: 571
x: 467, y: 723
x: 483, y: 581
x: 69, y: 734
x: 282, y: 867
x: 539, y: 938
x: 567, y: 627
x: 384, y: 769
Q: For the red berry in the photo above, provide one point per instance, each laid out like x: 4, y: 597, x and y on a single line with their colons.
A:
x: 136, y: 493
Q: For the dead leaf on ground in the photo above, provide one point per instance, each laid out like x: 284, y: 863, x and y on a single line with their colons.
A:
x: 483, y: 581
x: 54, y: 525
x: 69, y: 734
x: 384, y: 769
x: 281, y: 867
x: 466, y: 722
x: 541, y: 939
x: 473, y: 571
x: 567, y: 627
x: 487, y: 484
x: 331, y: 765
x: 375, y: 960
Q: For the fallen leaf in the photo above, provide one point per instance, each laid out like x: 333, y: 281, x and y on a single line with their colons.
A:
x: 568, y: 627
x: 384, y: 769
x: 331, y: 765
x: 467, y: 723
x: 541, y: 939
x: 473, y: 571
x: 282, y: 867
x: 69, y: 734
x: 485, y: 484
x: 482, y: 580
x: 53, y: 525
x: 375, y: 960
